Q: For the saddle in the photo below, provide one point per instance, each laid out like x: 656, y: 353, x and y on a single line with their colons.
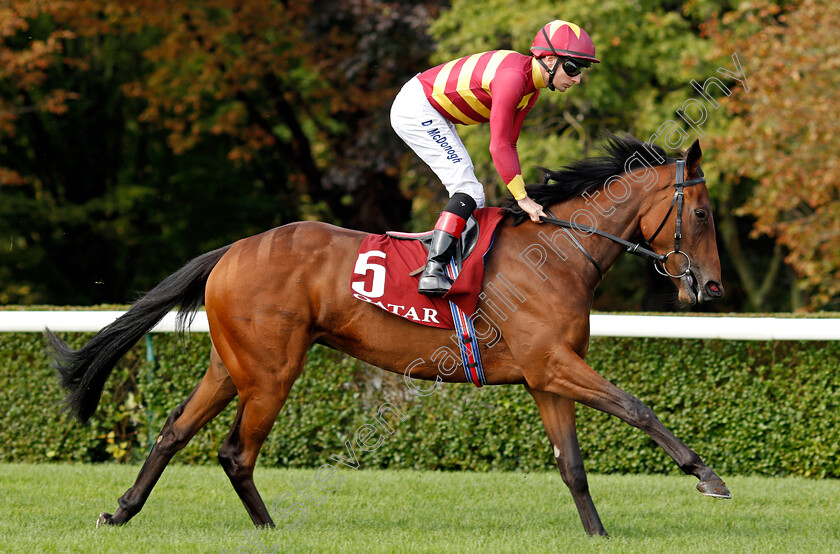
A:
x: 466, y: 244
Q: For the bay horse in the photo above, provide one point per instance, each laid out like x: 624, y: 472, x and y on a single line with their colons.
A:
x: 269, y: 297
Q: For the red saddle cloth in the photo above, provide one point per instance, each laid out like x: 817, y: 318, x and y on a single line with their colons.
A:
x: 382, y: 277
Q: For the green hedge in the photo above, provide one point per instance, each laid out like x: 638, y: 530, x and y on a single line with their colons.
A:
x: 770, y: 408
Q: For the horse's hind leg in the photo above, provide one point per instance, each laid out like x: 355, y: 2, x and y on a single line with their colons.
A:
x: 213, y: 393
x: 269, y: 375
x: 558, y: 415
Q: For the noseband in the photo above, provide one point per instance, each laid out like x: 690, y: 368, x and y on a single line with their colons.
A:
x: 637, y: 248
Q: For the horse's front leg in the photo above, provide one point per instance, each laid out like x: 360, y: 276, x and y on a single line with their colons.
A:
x: 569, y: 376
x: 558, y: 415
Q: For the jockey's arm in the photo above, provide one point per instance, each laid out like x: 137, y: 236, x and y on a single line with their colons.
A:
x: 505, y: 126
x: 518, y: 120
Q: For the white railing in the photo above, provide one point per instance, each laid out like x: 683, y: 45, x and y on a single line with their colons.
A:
x: 84, y: 321
x: 602, y: 325
x: 715, y: 327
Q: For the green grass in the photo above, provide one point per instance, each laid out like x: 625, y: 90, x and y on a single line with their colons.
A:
x: 52, y: 508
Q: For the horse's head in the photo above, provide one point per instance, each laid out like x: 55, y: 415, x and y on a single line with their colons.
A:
x: 680, y: 226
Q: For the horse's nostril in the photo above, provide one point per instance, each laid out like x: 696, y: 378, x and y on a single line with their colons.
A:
x: 714, y: 289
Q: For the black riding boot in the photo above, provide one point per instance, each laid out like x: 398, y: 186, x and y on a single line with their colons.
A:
x: 448, y: 229
x: 434, y: 281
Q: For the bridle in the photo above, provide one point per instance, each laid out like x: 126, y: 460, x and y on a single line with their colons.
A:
x: 679, y: 185
x: 637, y: 249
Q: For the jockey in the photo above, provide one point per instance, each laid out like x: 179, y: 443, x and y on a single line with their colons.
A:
x: 498, y: 87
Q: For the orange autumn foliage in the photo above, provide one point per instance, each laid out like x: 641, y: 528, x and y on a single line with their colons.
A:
x: 786, y: 132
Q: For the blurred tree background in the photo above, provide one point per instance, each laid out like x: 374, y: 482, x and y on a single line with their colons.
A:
x: 136, y: 134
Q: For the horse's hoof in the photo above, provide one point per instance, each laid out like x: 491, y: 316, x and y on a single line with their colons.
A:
x: 103, y: 519
x: 715, y: 488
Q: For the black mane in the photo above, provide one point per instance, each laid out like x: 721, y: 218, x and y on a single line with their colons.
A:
x: 587, y: 174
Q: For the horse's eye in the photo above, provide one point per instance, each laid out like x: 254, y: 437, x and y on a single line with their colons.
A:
x: 701, y: 214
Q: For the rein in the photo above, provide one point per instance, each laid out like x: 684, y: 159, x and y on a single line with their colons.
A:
x: 636, y: 248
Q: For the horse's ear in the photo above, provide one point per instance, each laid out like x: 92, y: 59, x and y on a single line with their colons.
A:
x: 693, y: 157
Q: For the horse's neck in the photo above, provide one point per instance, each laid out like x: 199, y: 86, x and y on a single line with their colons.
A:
x: 616, y: 211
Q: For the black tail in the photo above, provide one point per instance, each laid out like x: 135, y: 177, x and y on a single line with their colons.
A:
x: 84, y: 372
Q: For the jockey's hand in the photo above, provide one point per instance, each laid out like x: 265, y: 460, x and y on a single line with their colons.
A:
x: 530, y: 207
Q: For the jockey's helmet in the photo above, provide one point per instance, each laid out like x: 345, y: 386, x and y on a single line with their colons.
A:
x: 564, y: 39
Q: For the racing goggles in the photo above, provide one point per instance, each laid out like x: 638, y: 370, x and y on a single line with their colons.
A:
x: 573, y: 67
